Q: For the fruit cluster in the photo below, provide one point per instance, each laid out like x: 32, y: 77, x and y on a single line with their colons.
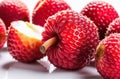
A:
x: 69, y: 39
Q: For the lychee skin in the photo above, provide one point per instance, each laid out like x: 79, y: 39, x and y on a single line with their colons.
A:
x: 46, y: 8
x: 2, y: 34
x: 114, y: 27
x: 23, y: 48
x: 77, y: 39
x: 12, y: 10
x: 108, y: 57
x: 101, y: 13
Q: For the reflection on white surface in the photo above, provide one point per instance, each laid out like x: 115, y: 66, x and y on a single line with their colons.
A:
x: 25, y: 72
x: 45, y: 63
x: 11, y: 69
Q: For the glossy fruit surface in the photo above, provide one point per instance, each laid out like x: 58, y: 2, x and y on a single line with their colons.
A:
x: 46, y: 8
x: 108, y: 57
x: 2, y: 34
x: 101, y: 13
x: 12, y: 10
x: 114, y: 27
x: 77, y: 38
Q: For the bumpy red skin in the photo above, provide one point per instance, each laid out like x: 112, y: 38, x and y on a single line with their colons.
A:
x: 77, y: 39
x: 2, y: 33
x: 25, y: 51
x: 114, y: 27
x: 102, y: 13
x: 109, y: 63
x: 48, y: 8
x: 12, y: 10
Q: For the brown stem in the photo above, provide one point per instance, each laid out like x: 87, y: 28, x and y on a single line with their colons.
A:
x: 47, y: 44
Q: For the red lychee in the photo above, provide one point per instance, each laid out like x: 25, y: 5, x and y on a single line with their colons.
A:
x: 12, y: 10
x: 101, y: 13
x: 107, y: 57
x: 69, y: 39
x: 46, y: 8
x: 114, y: 27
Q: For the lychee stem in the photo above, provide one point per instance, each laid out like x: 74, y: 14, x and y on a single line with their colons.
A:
x: 47, y: 44
x: 100, y: 51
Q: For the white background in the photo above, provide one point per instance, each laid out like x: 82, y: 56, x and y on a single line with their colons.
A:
x: 77, y: 5
x: 11, y: 69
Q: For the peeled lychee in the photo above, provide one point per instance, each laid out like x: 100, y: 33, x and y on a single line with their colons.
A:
x: 24, y: 40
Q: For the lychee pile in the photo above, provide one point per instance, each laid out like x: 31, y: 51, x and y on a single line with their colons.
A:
x: 69, y: 39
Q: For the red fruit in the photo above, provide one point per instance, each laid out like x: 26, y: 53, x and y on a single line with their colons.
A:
x: 108, y: 57
x: 114, y: 27
x: 12, y: 10
x: 46, y: 8
x: 69, y: 40
x: 101, y: 13
x: 2, y: 33
x: 24, y: 40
